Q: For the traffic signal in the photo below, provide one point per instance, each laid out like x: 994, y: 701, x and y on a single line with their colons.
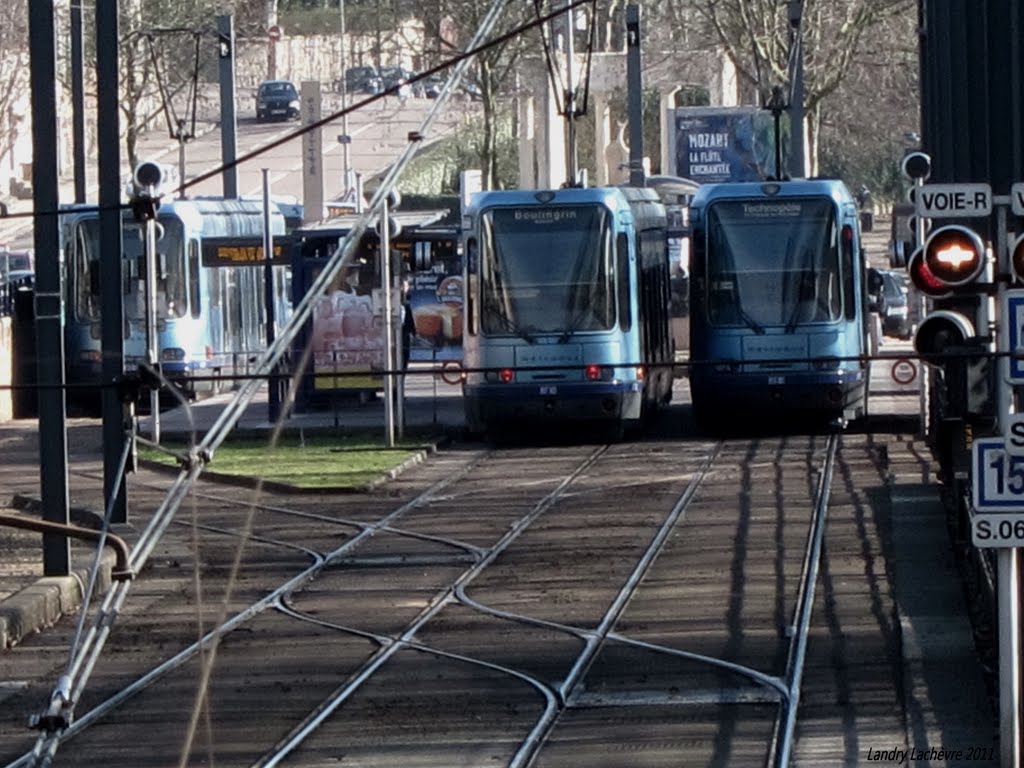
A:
x: 916, y: 166
x: 1017, y: 258
x: 947, y: 339
x: 940, y: 332
x: 147, y: 182
x: 953, y: 256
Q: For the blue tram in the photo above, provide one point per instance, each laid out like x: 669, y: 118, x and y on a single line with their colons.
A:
x: 211, y: 306
x: 778, y: 302
x: 566, y: 308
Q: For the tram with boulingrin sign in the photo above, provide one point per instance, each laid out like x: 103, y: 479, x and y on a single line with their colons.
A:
x: 567, y: 302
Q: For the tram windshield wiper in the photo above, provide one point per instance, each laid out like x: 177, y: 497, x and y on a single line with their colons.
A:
x: 574, y: 325
x: 752, y: 324
x: 510, y: 325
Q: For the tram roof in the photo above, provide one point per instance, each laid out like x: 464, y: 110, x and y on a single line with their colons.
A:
x: 833, y: 188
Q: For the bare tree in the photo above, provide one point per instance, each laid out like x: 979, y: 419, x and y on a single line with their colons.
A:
x: 451, y: 25
x: 14, y: 78
x: 757, y: 37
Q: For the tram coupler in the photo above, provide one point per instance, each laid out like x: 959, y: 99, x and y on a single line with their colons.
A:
x: 57, y: 716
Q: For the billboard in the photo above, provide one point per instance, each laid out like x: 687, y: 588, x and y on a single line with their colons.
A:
x: 715, y: 144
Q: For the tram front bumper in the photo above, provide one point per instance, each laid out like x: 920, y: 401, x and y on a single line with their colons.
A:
x: 577, y: 402
x: 804, y: 391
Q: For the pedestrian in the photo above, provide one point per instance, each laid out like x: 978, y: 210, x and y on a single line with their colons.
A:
x: 864, y: 201
x: 408, y: 325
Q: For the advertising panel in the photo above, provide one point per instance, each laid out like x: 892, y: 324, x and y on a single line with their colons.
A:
x: 716, y: 144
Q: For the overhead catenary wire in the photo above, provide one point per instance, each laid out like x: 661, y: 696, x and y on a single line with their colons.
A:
x: 89, y: 648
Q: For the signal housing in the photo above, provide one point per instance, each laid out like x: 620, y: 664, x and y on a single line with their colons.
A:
x: 1017, y: 258
x: 952, y: 257
x: 939, y: 332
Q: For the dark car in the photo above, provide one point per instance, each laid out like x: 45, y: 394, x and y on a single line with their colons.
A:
x: 277, y: 100
x: 432, y: 85
x: 896, y: 315
x: 397, y: 76
x: 360, y: 80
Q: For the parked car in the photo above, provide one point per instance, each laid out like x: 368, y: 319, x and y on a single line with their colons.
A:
x: 397, y: 76
x: 431, y: 85
x: 360, y: 80
x: 277, y: 100
x: 895, y: 310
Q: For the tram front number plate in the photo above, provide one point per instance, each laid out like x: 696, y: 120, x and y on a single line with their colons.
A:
x: 997, y: 494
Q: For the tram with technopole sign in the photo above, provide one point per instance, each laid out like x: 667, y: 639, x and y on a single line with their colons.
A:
x: 567, y: 296
x: 779, y: 303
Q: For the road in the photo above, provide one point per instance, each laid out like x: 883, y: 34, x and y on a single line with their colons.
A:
x: 379, y: 132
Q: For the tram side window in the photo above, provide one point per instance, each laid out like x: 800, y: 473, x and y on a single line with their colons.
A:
x: 472, y: 261
x: 195, y: 298
x: 171, y: 282
x: 625, y: 310
x: 86, y: 271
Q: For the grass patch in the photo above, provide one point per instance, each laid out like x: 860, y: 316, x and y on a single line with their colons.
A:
x: 306, y: 461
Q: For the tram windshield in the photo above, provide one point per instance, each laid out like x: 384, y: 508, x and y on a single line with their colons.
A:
x: 546, y: 270
x: 773, y: 262
x: 172, y: 297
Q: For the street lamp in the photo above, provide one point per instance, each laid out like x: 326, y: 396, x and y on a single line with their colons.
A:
x: 346, y: 160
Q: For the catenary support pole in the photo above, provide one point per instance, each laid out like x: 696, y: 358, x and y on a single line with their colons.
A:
x: 273, y: 386
x: 116, y: 415
x: 635, y: 87
x: 228, y: 117
x: 77, y: 101
x: 53, y: 454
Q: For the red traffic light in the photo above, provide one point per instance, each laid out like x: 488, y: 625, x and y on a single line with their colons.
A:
x: 952, y: 256
x: 923, y: 278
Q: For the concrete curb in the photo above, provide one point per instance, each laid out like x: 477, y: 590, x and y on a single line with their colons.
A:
x: 40, y: 605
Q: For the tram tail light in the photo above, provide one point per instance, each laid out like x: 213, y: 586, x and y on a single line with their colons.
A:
x: 506, y: 375
x: 595, y: 372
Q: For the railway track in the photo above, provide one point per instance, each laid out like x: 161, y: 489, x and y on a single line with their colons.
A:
x: 628, y: 600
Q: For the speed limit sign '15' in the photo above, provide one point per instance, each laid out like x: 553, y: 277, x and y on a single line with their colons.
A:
x: 997, y: 493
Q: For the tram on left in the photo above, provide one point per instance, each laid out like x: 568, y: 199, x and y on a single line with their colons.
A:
x: 567, y: 309
x: 210, y: 295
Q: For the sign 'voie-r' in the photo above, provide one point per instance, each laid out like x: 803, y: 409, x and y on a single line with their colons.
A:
x: 949, y: 200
